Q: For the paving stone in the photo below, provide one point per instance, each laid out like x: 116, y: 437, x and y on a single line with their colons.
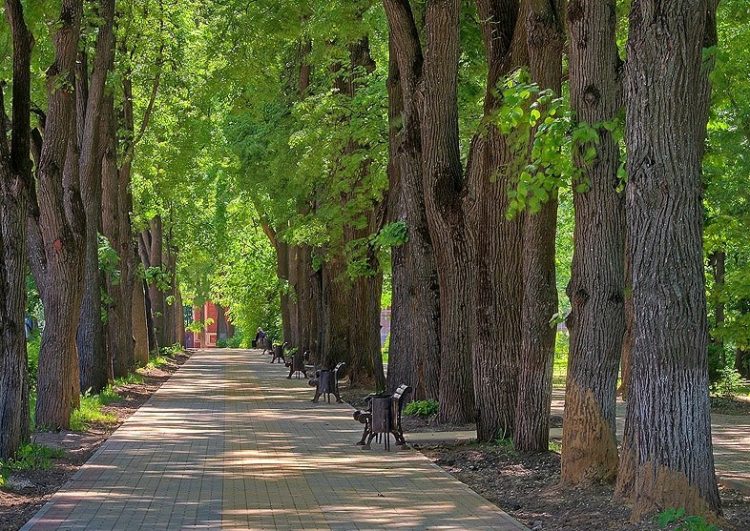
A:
x: 229, y: 443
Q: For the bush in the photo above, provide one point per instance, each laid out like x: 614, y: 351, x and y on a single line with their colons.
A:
x: 422, y: 408
x: 171, y: 351
x: 728, y: 384
x: 222, y: 343
x: 236, y: 341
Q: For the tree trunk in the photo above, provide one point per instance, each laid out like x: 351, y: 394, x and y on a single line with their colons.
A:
x: 179, y: 319
x: 90, y: 337
x: 627, y: 339
x: 401, y: 358
x: 155, y: 293
x: 442, y: 179
x: 293, y: 297
x: 667, y: 458
x: 15, y: 186
x: 337, y: 296
x: 498, y: 284
x: 59, y: 221
x: 596, y: 290
x: 414, y: 356
x: 545, y: 38
x: 366, y: 361
x: 116, y: 327
x: 140, y: 329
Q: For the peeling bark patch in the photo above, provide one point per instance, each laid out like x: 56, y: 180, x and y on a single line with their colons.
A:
x: 589, y: 444
x: 658, y: 487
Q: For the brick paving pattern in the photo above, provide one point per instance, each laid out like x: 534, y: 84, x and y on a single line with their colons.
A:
x: 229, y: 443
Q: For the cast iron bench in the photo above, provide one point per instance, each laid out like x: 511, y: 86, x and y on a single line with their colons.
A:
x: 278, y: 353
x: 298, y: 364
x: 383, y: 417
x: 326, y: 382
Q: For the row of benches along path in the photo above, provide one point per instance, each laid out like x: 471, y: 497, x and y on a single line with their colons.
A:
x: 229, y: 443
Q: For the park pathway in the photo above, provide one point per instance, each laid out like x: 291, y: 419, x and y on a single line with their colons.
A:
x: 229, y: 443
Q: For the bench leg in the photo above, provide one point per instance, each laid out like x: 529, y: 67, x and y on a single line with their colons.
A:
x: 369, y: 440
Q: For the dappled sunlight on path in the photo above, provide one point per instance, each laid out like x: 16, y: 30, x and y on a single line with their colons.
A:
x: 229, y: 443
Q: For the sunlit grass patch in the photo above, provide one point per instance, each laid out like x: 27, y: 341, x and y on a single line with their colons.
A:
x: 90, y: 412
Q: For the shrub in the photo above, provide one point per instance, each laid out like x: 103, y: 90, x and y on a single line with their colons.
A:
x: 236, y: 341
x: 422, y: 408
x: 728, y: 384
x: 222, y: 343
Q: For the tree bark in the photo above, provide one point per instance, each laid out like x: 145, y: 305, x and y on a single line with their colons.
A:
x: 15, y: 185
x: 59, y: 220
x: 117, y: 328
x: 443, y: 192
x: 596, y: 289
x: 90, y: 336
x: 498, y: 272
x: 627, y: 339
x: 156, y: 295
x: 140, y: 330
x: 545, y: 38
x: 415, y: 321
x: 667, y: 458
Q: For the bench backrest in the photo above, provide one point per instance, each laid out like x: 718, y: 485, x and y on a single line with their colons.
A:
x: 400, y: 393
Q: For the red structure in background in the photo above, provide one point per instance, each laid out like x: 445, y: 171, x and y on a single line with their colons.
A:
x: 217, y: 329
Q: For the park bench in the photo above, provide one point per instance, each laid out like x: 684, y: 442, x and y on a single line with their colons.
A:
x: 278, y: 353
x: 326, y: 382
x: 383, y: 417
x: 298, y: 364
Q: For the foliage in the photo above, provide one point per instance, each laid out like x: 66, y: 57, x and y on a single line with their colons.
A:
x: 171, y: 351
x: 422, y: 408
x: 677, y: 519
x: 237, y: 340
x: 729, y: 383
x: 29, y: 457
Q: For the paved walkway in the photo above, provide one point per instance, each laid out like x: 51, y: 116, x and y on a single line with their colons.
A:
x: 229, y: 443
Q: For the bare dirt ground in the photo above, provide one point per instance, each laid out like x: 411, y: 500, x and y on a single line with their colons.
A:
x: 527, y: 488
x: 27, y: 491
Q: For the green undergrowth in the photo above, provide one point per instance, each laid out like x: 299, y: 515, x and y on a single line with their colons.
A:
x: 156, y: 362
x: 29, y: 457
x: 678, y: 520
x: 91, y: 412
x: 422, y: 408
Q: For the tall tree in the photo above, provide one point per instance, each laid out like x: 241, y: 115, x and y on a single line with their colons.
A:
x: 57, y: 226
x: 596, y: 289
x: 94, y: 365
x: 414, y: 356
x: 545, y: 38
x: 432, y: 75
x: 15, y: 184
x: 667, y: 458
